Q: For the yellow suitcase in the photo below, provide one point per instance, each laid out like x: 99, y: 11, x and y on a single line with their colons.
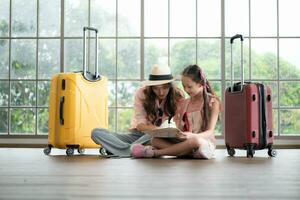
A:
x: 78, y: 104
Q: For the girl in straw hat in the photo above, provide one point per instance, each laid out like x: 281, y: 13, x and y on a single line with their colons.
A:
x: 197, y: 118
x: 155, y: 102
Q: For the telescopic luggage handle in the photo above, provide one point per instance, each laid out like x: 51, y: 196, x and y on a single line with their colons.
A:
x: 231, y: 63
x: 96, y: 76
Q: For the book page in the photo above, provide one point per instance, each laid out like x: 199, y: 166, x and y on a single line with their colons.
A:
x: 165, y: 132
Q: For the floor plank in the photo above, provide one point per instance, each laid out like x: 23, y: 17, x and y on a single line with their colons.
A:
x: 29, y: 174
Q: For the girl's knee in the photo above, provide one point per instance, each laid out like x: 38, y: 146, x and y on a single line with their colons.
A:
x: 97, y: 132
x: 195, y: 142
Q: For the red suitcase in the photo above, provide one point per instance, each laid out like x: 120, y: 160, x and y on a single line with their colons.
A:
x: 248, y: 114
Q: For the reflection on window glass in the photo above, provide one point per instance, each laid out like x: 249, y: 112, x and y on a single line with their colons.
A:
x: 156, y: 52
x: 23, y: 56
x: 289, y: 17
x: 126, y: 92
x: 3, y: 121
x: 4, y: 55
x: 42, y: 121
x: 128, y: 58
x: 73, y: 55
x: 24, y: 18
x: 22, y: 121
x: 112, y: 119
x: 264, y: 58
x: 289, y: 63
x: 107, y: 57
x: 275, y: 121
x: 182, y: 18
x: 49, y: 58
x: 156, y: 25
x: 76, y: 17
x: 209, y: 17
x: 129, y: 17
x: 289, y: 121
x: 111, y: 93
x: 236, y: 17
x: 183, y: 53
x: 209, y: 57
x: 290, y: 94
x: 103, y: 17
x: 263, y: 21
x: 43, y: 93
x: 49, y: 18
x: 4, y: 92
x: 4, y: 18
x: 124, y: 119
x: 22, y: 93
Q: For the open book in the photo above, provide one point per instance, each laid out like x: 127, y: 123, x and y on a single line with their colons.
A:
x: 165, y: 132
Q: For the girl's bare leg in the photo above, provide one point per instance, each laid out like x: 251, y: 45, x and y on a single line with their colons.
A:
x: 159, y: 143
x: 183, y: 148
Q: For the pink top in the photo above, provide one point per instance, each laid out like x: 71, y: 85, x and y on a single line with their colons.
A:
x: 140, y: 115
x: 193, y: 114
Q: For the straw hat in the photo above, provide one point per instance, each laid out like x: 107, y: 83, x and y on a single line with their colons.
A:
x: 159, y: 75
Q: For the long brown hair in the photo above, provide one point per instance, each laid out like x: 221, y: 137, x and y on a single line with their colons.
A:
x: 198, y: 76
x: 174, y: 95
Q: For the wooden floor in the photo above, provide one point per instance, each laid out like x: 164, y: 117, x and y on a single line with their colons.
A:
x: 29, y: 174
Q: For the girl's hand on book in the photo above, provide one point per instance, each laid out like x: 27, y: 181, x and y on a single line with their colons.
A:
x: 188, y: 134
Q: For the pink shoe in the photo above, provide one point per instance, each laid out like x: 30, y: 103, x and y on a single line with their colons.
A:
x: 141, y: 151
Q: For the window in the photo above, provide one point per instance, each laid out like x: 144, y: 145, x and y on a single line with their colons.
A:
x: 39, y: 38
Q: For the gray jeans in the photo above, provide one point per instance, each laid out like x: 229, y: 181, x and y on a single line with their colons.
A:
x: 118, y: 144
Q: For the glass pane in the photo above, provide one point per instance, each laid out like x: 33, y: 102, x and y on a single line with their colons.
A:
x: 216, y: 86
x: 182, y: 18
x: 49, y: 18
x: 49, y: 58
x: 22, y: 93
x: 289, y: 122
x: 129, y: 17
x: 156, y: 18
x: 43, y: 93
x: 24, y: 18
x: 124, y: 119
x: 23, y: 57
x: 288, y: 18
x: 156, y: 52
x: 107, y: 57
x: 290, y: 94
x: 4, y: 92
x: 209, y: 57
x: 209, y: 18
x: 112, y: 93
x: 275, y: 122
x: 103, y: 17
x: 264, y: 21
x: 126, y: 92
x: 183, y: 53
x: 236, y: 17
x: 4, y: 55
x: 4, y: 18
x: 112, y: 119
x: 22, y: 121
x: 42, y: 121
x: 76, y: 17
x: 236, y: 51
x: 289, y: 63
x: 3, y: 121
x: 274, y: 91
x: 73, y: 55
x: 128, y: 58
x: 264, y: 58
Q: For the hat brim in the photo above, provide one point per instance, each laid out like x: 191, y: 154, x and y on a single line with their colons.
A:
x: 157, y: 82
